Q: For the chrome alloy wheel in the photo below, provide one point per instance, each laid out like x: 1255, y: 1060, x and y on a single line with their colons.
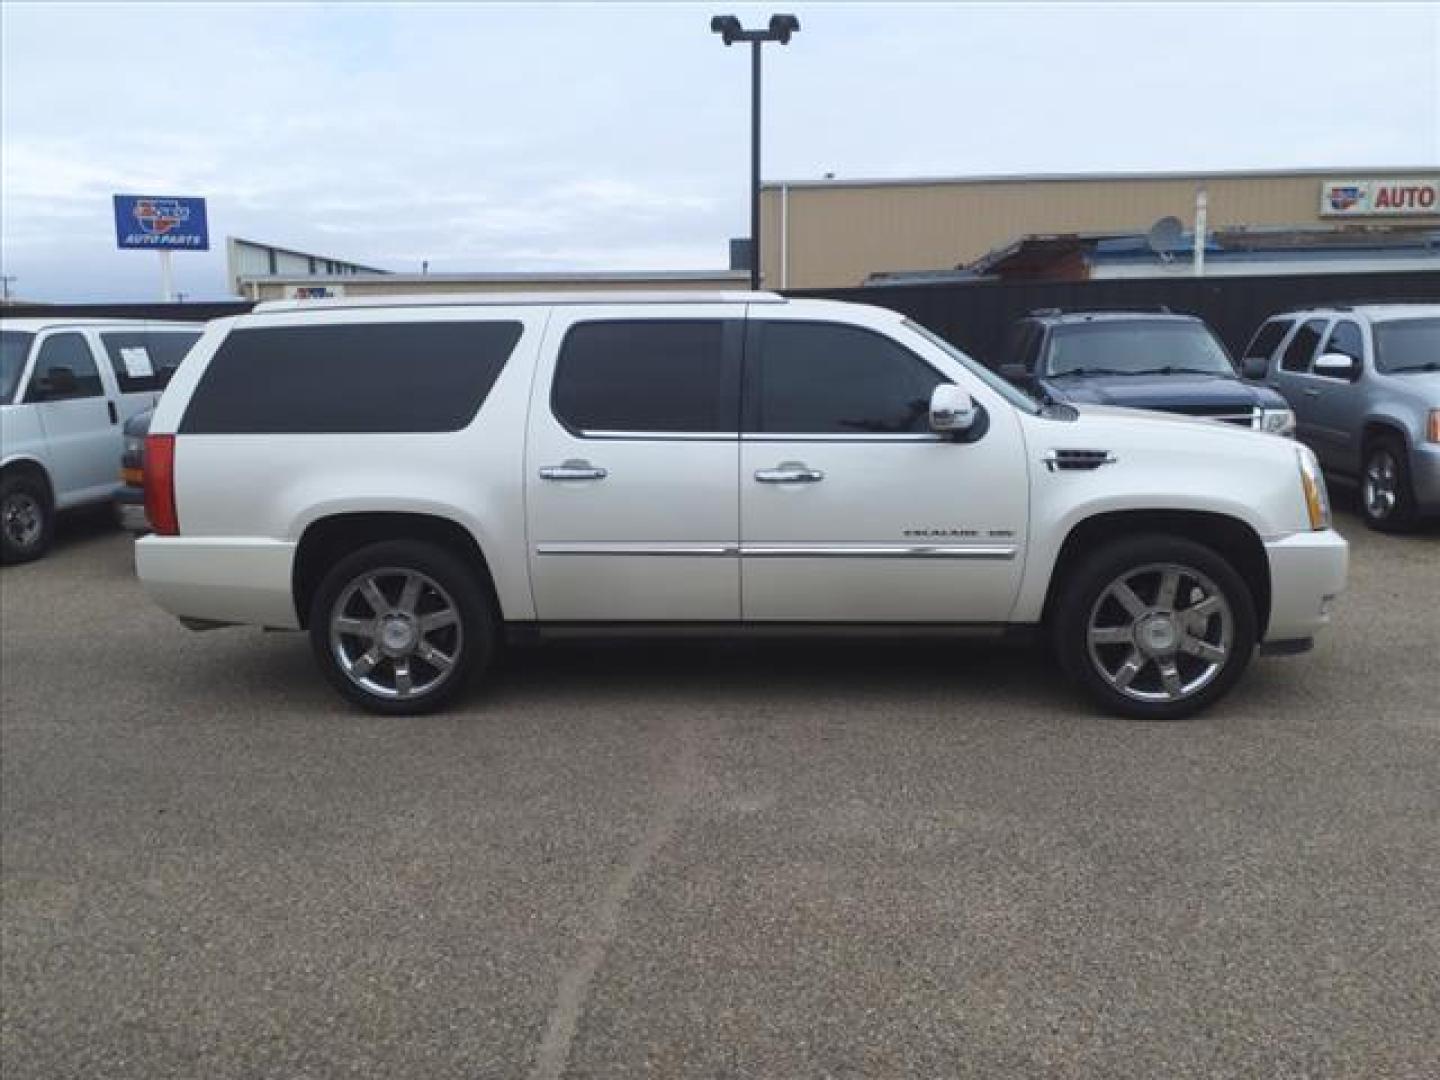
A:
x: 395, y: 633
x: 1160, y: 633
x: 23, y: 519
x: 1382, y: 484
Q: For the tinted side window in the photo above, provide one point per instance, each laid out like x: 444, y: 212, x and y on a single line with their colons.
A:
x: 1262, y: 345
x: 68, y: 351
x: 146, y: 360
x: 1301, y: 349
x: 651, y: 375
x: 827, y: 378
x: 1018, y: 343
x: 371, y: 377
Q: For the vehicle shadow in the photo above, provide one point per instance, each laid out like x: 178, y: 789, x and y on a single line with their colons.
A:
x: 276, y: 674
x: 1345, y: 499
x: 86, y: 524
x: 814, y: 672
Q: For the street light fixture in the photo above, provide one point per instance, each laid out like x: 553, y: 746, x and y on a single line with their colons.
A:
x: 780, y: 29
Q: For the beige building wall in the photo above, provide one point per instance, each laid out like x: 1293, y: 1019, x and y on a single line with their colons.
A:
x: 837, y: 233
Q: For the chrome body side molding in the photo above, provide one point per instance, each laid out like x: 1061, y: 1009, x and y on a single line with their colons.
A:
x: 787, y: 551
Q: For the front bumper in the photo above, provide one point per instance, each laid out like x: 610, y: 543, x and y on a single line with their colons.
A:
x: 1425, y: 477
x: 220, y: 579
x: 1307, y: 575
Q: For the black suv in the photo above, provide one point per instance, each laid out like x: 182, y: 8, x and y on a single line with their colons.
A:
x: 1141, y: 360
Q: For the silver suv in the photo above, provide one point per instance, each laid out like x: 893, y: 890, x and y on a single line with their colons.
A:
x: 1364, y: 383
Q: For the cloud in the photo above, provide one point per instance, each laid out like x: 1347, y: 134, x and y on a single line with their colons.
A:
x: 616, y: 136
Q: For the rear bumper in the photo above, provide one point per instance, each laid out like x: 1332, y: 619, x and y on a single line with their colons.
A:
x: 220, y: 579
x: 1307, y: 574
x: 130, y: 509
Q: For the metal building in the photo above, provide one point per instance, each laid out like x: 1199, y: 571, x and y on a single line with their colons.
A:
x: 247, y: 261
x: 834, y: 233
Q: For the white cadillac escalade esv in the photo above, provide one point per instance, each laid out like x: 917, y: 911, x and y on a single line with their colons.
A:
x: 413, y: 480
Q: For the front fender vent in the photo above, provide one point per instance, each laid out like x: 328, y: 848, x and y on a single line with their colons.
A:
x: 1077, y: 459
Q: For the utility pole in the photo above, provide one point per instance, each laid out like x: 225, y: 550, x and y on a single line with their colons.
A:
x: 780, y: 29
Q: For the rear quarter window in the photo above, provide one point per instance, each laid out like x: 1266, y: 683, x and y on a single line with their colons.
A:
x: 368, y: 377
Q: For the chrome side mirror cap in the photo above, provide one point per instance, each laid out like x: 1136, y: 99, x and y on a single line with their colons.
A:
x: 1336, y: 364
x: 952, y: 410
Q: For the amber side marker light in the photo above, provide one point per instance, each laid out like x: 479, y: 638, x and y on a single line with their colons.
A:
x: 1317, y: 500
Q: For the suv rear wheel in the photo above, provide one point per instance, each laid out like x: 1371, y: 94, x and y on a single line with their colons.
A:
x: 27, y: 520
x: 1385, y: 496
x: 1155, y: 627
x: 400, y: 627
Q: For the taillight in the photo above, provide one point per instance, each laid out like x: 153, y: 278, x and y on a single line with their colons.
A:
x: 160, y: 485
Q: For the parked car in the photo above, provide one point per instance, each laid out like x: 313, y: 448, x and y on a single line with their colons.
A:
x: 66, y: 387
x: 1140, y: 360
x: 130, y: 495
x: 408, y: 479
x: 1364, y: 382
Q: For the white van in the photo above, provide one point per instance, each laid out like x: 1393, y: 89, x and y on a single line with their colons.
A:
x: 411, y: 478
x: 67, y: 386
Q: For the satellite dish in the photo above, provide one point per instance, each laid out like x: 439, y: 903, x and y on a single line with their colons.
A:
x: 1166, y: 236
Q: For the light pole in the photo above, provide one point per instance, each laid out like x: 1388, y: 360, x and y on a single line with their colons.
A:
x: 780, y: 29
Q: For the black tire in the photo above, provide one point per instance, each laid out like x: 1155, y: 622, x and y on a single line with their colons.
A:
x: 27, y: 518
x: 1386, y: 456
x: 1085, y: 595
x: 452, y: 585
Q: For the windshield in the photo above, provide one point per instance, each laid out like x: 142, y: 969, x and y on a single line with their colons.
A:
x: 14, y: 348
x: 1407, y: 345
x: 1012, y: 394
x: 1135, y: 347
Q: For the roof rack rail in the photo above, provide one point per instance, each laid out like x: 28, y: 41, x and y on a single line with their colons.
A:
x: 1125, y: 309
x: 1369, y: 301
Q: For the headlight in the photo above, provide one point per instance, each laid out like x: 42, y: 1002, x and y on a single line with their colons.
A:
x: 1277, y: 421
x: 1317, y: 501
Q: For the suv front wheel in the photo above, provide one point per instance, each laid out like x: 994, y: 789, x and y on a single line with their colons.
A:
x: 1155, y: 627
x: 401, y: 626
x: 1385, y: 496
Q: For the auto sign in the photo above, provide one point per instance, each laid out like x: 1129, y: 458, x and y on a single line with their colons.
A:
x: 161, y: 222
x: 1405, y: 196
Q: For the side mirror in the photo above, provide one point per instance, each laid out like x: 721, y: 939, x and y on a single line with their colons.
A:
x: 1337, y: 365
x: 59, y: 382
x: 1015, y: 372
x: 952, y: 410
x: 1254, y: 367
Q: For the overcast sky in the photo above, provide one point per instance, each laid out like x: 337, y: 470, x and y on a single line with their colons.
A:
x: 599, y: 136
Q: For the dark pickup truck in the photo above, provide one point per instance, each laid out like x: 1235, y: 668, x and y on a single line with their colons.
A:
x: 1140, y: 360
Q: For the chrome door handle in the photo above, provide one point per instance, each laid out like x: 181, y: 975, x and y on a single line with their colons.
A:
x: 1311, y: 391
x: 789, y: 474
x: 573, y: 470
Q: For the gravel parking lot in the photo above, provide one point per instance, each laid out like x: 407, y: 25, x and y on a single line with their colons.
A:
x: 760, y: 860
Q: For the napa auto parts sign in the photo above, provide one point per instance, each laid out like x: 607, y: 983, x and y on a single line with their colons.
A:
x: 161, y: 222
x: 1377, y: 198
